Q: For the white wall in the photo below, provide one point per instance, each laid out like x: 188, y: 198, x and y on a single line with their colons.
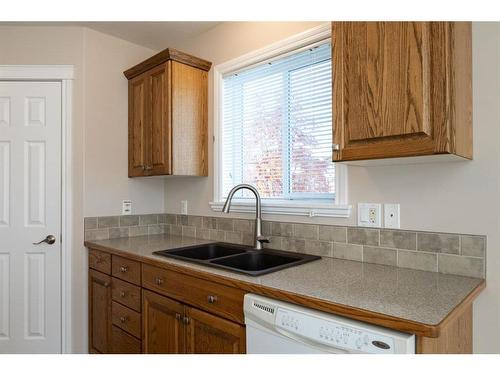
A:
x: 453, y: 197
x: 99, y: 164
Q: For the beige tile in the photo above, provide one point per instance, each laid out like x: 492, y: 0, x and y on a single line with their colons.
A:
x: 281, y: 229
x: 245, y: 226
x: 188, y: 231
x: 233, y: 237
x: 108, y: 222
x: 148, y: 219
x: 96, y: 234
x: 306, y: 231
x: 176, y: 230
x: 195, y: 221
x: 292, y: 244
x: 438, y: 242
x: 90, y: 223
x: 203, y: 233
x: 247, y: 239
x: 168, y: 218
x: 266, y: 228
x: 138, y: 231
x: 217, y: 235
x: 129, y: 220
x: 474, y: 246
x: 182, y: 219
x: 461, y: 265
x: 417, y: 260
x: 379, y: 255
x: 321, y: 248
x: 332, y: 233
x: 274, y: 243
x: 348, y: 251
x: 209, y: 222
x: 398, y: 239
x: 362, y: 236
x: 225, y: 224
x: 156, y: 229
x: 118, y: 232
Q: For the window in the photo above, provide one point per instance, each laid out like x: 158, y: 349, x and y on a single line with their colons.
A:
x: 275, y: 128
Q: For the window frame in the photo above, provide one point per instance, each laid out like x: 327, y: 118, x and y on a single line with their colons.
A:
x: 306, y: 207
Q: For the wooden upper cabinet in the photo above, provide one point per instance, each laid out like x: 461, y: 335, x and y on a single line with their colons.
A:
x: 168, y: 115
x: 401, y: 89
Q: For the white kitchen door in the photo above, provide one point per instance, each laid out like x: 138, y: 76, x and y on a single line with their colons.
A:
x: 30, y: 210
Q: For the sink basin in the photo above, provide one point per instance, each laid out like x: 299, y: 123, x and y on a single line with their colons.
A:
x: 203, y: 252
x: 240, y: 259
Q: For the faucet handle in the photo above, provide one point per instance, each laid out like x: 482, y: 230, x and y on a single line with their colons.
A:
x: 263, y: 239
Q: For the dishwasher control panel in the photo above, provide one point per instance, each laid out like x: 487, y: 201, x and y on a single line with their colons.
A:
x: 334, y: 334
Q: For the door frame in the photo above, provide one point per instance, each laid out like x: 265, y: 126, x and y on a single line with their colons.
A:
x: 65, y: 75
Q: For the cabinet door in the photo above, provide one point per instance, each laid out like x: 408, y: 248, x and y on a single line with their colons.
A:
x: 160, y: 132
x: 138, y: 120
x: 390, y: 89
x: 163, y: 331
x: 209, y: 334
x: 99, y: 312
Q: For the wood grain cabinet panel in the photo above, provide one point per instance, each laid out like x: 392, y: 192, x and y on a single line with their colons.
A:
x: 209, y: 334
x: 100, y: 261
x: 124, y: 343
x: 163, y: 330
x: 401, y: 89
x: 126, y: 269
x: 127, y: 319
x: 127, y: 294
x: 168, y: 115
x: 99, y: 312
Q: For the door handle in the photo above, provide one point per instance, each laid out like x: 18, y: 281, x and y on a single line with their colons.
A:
x: 50, y: 240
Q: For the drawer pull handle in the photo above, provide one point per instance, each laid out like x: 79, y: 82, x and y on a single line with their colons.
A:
x: 159, y: 281
x: 212, y: 299
x: 122, y: 294
x: 101, y: 282
x: 186, y: 320
x: 123, y: 319
x: 178, y: 316
x: 123, y: 269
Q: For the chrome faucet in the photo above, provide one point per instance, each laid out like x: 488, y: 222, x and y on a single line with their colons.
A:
x: 259, y: 238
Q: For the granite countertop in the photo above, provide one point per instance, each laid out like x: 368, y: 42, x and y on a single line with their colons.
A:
x: 419, y: 296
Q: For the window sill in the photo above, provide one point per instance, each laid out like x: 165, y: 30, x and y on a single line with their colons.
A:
x: 299, y: 208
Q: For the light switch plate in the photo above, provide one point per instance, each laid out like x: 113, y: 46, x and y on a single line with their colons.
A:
x: 370, y: 215
x: 391, y: 215
x: 126, y: 207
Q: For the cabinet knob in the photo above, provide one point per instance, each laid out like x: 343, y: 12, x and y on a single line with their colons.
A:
x: 178, y: 316
x: 335, y: 147
x: 186, y: 320
x: 212, y: 299
x: 123, y: 269
x: 159, y: 281
x: 122, y: 294
x: 123, y: 319
x: 148, y: 167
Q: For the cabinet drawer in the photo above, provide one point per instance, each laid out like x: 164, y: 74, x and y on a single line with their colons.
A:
x: 127, y: 294
x: 100, y: 261
x: 123, y: 343
x: 210, y: 296
x: 126, y: 269
x: 127, y: 319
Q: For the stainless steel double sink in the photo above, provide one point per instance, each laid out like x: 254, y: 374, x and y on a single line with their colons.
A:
x: 240, y: 259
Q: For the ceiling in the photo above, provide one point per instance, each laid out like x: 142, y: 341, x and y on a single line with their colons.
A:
x: 155, y: 35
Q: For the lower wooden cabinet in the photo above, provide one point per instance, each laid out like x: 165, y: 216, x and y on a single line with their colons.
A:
x: 99, y: 312
x: 170, y: 327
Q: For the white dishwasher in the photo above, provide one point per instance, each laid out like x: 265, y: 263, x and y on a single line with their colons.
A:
x: 275, y: 327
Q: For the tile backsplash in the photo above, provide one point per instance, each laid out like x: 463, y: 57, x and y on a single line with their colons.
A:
x: 451, y: 253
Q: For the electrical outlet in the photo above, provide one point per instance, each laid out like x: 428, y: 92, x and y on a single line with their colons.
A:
x: 126, y: 207
x: 391, y: 215
x: 184, y: 207
x: 369, y: 215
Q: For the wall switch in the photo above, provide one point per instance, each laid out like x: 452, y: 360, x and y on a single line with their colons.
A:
x: 184, y: 207
x: 369, y: 214
x: 126, y: 207
x: 391, y: 215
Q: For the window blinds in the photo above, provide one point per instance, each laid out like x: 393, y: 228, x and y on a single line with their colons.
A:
x: 277, y: 126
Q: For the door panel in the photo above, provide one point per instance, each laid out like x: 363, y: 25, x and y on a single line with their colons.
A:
x: 163, y: 332
x: 30, y: 209
x: 160, y: 152
x: 209, y: 334
x: 138, y: 123
x: 99, y: 312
